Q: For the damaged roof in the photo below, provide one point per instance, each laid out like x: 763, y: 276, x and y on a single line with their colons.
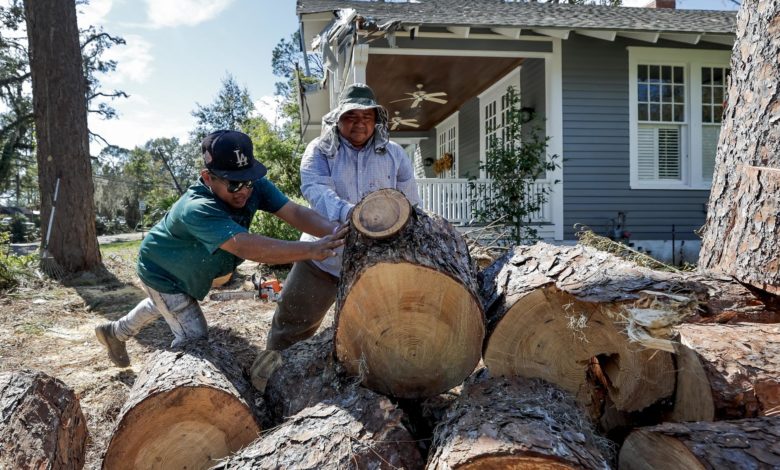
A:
x: 498, y: 13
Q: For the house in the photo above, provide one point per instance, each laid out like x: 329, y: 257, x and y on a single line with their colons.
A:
x: 631, y: 99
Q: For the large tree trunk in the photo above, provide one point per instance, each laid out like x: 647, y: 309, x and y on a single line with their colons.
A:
x: 408, y: 318
x: 41, y: 424
x: 749, y: 443
x: 62, y: 139
x: 516, y: 423
x: 186, y: 409
x: 564, y: 314
x: 357, y: 430
x: 727, y: 371
x: 742, y: 232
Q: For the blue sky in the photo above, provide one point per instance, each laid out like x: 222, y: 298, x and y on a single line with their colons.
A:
x: 178, y: 52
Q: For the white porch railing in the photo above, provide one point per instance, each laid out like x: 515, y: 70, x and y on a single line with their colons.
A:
x: 451, y: 198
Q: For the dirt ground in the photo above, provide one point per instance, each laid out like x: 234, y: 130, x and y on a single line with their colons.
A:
x: 49, y: 326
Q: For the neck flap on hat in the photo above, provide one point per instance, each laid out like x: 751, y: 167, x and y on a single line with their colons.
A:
x: 329, y: 138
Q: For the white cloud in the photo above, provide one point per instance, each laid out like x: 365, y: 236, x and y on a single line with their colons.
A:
x: 171, y: 13
x: 94, y: 13
x: 635, y: 3
x: 134, y: 61
x: 269, y: 107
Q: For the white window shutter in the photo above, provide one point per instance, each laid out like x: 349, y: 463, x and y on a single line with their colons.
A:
x: 669, y: 154
x: 647, y: 153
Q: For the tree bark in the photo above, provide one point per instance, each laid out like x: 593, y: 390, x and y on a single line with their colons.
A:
x: 742, y: 233
x: 748, y: 443
x: 730, y: 371
x: 564, y: 314
x: 186, y: 409
x: 359, y: 429
x: 408, y: 318
x: 62, y: 138
x: 41, y: 423
x: 309, y: 375
x: 516, y: 423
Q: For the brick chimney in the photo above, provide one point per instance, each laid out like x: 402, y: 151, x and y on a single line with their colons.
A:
x: 662, y: 4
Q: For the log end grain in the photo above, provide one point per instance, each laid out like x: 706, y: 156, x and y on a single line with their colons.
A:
x: 409, y: 331
x: 381, y: 214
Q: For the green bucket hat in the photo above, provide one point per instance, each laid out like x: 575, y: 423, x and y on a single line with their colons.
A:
x: 355, y: 96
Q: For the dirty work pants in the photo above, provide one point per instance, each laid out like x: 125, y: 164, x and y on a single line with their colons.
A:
x: 307, y: 295
x: 181, y: 312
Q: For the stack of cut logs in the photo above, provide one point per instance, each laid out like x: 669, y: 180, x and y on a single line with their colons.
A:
x: 581, y: 352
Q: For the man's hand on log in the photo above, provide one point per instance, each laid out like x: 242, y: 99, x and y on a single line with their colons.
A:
x: 326, y: 247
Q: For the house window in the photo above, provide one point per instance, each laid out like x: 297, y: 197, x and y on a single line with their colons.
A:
x: 447, y: 142
x: 676, y: 106
x: 494, y: 110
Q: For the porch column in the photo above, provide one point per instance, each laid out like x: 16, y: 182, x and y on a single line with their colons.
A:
x: 359, y: 62
x: 553, y: 72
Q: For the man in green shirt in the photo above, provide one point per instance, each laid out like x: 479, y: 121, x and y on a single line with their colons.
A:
x: 205, y: 235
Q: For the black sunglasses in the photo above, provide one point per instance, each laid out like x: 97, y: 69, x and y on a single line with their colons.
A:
x: 234, y: 186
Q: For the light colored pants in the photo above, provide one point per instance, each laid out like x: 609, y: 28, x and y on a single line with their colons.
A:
x: 181, y: 312
x: 307, y: 295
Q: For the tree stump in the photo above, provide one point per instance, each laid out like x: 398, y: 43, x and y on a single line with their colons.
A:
x: 408, y: 318
x: 41, y: 423
x: 742, y: 230
x: 516, y: 423
x: 187, y: 408
x: 748, y: 443
x: 571, y: 316
x: 728, y: 371
x: 359, y: 429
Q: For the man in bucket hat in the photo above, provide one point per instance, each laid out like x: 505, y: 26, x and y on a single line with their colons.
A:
x: 352, y: 157
x: 205, y: 236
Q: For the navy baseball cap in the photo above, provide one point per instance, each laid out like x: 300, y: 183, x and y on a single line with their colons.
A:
x: 229, y: 155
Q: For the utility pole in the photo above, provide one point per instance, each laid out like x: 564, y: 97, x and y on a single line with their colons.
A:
x: 165, y: 161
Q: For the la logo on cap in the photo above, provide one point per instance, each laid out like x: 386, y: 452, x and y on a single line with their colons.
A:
x: 241, y: 159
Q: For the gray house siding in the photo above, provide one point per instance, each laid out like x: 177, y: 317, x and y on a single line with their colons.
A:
x: 532, y: 91
x: 468, y: 136
x: 596, y: 150
x: 428, y: 150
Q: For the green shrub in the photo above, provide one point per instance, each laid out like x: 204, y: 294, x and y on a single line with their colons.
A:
x: 14, y: 268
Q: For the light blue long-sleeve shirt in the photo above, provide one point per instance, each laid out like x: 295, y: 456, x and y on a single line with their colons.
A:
x: 333, y: 185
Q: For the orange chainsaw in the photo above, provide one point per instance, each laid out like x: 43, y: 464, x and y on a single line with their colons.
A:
x: 263, y: 288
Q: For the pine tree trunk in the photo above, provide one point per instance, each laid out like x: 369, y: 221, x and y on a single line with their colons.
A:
x: 408, y: 319
x: 356, y: 430
x: 564, y: 314
x: 41, y: 423
x: 728, y: 371
x: 742, y: 232
x: 748, y: 443
x: 515, y: 423
x: 62, y: 139
x: 186, y: 409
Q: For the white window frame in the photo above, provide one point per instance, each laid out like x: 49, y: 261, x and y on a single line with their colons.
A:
x: 691, y: 129
x: 494, y: 93
x: 450, y: 144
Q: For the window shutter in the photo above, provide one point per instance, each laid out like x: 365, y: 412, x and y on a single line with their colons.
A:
x: 669, y: 154
x: 647, y: 153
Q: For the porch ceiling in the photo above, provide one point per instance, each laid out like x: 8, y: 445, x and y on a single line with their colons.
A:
x: 462, y: 78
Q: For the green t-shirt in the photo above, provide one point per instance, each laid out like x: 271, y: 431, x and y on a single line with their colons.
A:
x: 181, y: 253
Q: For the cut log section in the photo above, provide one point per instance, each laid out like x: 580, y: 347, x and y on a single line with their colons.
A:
x: 41, y: 423
x: 381, y: 214
x: 564, y: 313
x: 310, y: 375
x: 408, y: 318
x: 186, y: 409
x: 748, y: 443
x: 360, y: 429
x: 516, y: 423
x: 729, y: 371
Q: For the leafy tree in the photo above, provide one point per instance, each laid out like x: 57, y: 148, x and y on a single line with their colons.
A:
x: 515, y: 158
x: 231, y: 109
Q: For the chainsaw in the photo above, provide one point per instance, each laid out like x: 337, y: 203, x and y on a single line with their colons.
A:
x: 262, y: 288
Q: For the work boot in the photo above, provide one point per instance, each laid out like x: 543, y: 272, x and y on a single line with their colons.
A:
x: 265, y: 364
x: 116, y: 347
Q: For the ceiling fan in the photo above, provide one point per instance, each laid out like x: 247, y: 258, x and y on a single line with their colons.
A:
x: 421, y: 95
x: 397, y: 120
